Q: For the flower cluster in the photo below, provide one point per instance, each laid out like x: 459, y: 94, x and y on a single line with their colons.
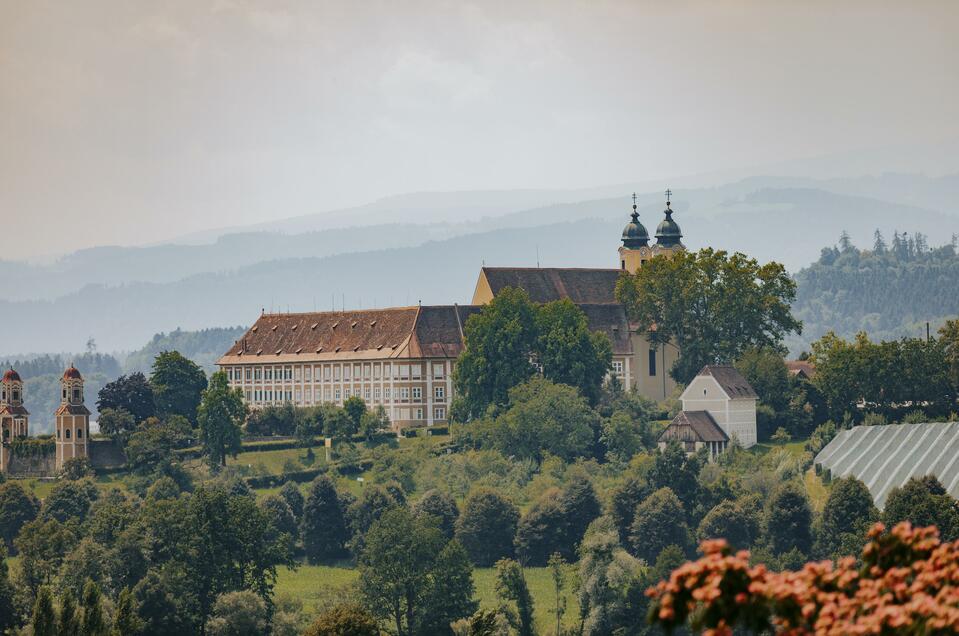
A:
x: 908, y: 583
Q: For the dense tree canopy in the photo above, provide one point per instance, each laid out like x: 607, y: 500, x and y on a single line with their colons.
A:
x: 177, y: 384
x: 132, y: 394
x: 512, y: 338
x: 711, y: 305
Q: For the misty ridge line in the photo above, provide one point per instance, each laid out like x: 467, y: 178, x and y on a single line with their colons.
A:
x: 401, y: 263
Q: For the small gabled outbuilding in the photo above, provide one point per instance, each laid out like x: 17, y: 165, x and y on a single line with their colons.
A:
x: 719, y: 399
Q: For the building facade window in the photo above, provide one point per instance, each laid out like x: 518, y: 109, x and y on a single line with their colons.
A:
x: 439, y: 413
x: 652, y: 362
x: 417, y: 393
x: 617, y: 367
x: 439, y: 392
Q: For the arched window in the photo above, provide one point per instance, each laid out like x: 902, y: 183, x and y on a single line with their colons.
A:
x: 67, y: 433
x: 79, y: 433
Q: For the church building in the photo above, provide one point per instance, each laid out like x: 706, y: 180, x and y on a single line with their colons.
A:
x: 402, y: 358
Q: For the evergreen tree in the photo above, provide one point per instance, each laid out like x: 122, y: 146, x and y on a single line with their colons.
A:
x: 487, y: 526
x: 511, y: 587
x: 879, y: 244
x: 126, y: 622
x: 324, y: 525
x: 94, y: 621
x: 44, y: 621
x: 660, y: 521
x: 846, y: 517
x: 294, y: 498
x: 450, y: 596
x: 69, y: 624
x: 923, y: 502
x: 788, y: 519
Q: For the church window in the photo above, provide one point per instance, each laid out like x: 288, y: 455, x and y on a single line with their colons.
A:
x: 79, y: 433
x: 16, y: 395
x: 76, y: 395
x: 67, y: 433
x: 652, y: 362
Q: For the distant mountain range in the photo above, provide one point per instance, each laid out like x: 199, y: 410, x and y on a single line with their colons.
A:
x: 399, y: 251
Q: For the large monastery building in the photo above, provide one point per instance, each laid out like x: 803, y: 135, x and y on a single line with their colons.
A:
x: 402, y: 358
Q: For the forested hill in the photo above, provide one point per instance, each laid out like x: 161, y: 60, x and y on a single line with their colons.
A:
x: 889, y: 291
x: 203, y: 347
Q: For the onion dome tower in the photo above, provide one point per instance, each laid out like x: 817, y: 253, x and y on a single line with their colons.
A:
x: 73, y: 419
x: 668, y: 235
x: 14, y: 417
x: 635, y: 250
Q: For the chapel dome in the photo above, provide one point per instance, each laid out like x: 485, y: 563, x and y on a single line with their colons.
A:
x: 72, y: 374
x: 668, y: 233
x: 635, y: 234
x: 11, y: 376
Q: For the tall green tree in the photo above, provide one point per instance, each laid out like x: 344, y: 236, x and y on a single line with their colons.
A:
x: 733, y: 521
x: 241, y: 613
x: 789, y: 520
x: 44, y: 621
x: 220, y: 416
x: 568, y: 352
x: 355, y: 408
x: 69, y: 622
x: 400, y: 567
x: 450, y: 595
x: 498, y: 354
x: 177, y: 384
x: 230, y: 546
x: 513, y: 592
x: 129, y: 393
x: 125, y: 619
x: 94, y: 621
x: 609, y: 579
x: 712, y: 305
x: 441, y: 506
x: 8, y: 609
x: 17, y: 507
x: 487, y: 526
x: 659, y: 521
x: 324, y: 526
x: 847, y: 515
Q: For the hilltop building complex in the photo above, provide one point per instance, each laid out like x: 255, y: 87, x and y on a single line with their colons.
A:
x: 402, y: 358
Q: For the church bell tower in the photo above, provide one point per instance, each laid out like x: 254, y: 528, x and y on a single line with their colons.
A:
x: 73, y: 419
x: 635, y: 250
x: 14, y: 418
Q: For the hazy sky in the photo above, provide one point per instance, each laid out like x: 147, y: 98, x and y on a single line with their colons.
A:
x: 128, y: 122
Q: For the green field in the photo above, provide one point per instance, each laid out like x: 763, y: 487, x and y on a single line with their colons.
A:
x: 314, y: 583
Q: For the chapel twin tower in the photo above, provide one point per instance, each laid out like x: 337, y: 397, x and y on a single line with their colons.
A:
x: 72, y: 418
